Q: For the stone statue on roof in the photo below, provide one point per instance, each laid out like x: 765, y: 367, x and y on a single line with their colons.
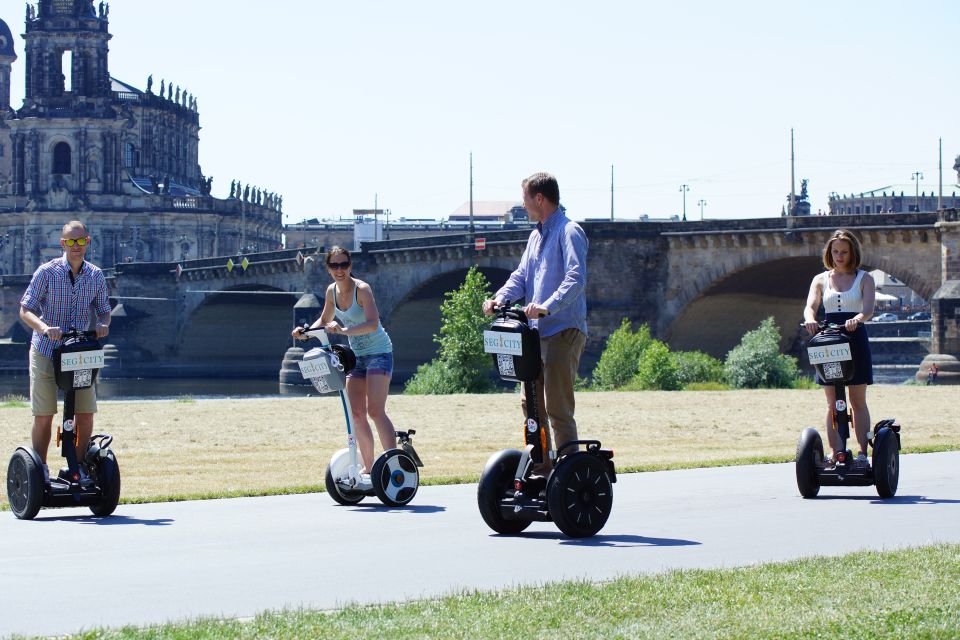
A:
x: 150, y: 83
x: 956, y: 167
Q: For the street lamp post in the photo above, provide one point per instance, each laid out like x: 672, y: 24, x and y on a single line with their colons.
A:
x: 917, y: 177
x: 683, y: 189
x: 702, y: 204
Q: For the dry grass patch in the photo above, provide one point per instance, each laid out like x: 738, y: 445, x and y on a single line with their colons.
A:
x: 222, y: 447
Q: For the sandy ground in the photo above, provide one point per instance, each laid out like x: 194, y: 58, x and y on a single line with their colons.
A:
x: 174, y: 447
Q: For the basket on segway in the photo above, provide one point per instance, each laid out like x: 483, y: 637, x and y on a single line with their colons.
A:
x: 831, y: 353
x: 76, y: 364
x: 394, y: 478
x: 577, y: 493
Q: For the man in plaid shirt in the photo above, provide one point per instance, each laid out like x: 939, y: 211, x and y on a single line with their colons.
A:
x: 62, y: 294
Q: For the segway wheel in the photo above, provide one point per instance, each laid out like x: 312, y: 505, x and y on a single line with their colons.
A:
x: 108, y: 479
x: 886, y: 463
x: 395, y: 478
x: 338, y: 467
x: 809, y: 456
x: 495, y: 481
x: 24, y: 485
x: 580, y: 495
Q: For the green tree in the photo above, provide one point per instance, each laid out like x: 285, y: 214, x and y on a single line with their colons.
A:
x: 621, y: 356
x: 461, y: 366
x: 696, y: 366
x: 656, y: 369
x: 757, y: 362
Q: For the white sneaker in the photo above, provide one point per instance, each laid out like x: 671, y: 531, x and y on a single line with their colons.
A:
x: 861, y: 462
x: 365, y: 483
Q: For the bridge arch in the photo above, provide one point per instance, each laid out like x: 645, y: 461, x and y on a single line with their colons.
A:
x: 717, y: 313
x: 416, y: 318
x: 245, y: 329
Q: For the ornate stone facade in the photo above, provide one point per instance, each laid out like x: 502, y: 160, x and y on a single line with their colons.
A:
x: 123, y: 160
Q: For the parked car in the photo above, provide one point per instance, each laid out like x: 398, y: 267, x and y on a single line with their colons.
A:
x: 919, y: 315
x: 885, y: 317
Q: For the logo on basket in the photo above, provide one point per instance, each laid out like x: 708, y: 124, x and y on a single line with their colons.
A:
x: 502, y: 342
x: 81, y: 360
x: 314, y: 365
x: 841, y: 405
x: 829, y: 353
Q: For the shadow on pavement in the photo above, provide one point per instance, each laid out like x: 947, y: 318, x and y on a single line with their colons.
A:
x: 893, y: 500
x: 410, y: 508
x: 600, y: 540
x: 111, y: 520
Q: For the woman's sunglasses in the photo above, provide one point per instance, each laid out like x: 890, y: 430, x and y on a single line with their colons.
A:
x: 333, y: 266
x: 80, y: 242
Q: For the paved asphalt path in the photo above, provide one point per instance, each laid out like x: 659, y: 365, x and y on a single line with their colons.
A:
x: 160, y: 562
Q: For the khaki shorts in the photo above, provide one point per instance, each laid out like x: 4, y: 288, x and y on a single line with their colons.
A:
x: 43, y: 389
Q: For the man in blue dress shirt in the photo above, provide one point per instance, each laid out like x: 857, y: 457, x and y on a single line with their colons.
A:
x: 552, y: 278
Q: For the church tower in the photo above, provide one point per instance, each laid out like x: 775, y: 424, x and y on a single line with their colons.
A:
x: 66, y: 57
x: 7, y: 57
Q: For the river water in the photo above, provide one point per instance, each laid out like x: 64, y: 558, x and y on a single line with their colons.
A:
x: 138, y: 388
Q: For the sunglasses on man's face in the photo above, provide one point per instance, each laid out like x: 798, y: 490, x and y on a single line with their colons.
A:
x: 338, y: 265
x: 80, y: 242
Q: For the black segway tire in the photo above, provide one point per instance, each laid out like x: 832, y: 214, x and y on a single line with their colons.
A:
x: 496, y: 479
x: 341, y: 496
x: 24, y: 485
x: 886, y: 463
x: 809, y: 455
x: 395, y: 478
x: 580, y: 495
x: 108, y: 479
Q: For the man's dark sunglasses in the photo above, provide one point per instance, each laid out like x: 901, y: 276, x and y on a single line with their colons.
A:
x: 338, y: 265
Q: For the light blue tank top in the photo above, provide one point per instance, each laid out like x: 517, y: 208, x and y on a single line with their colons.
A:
x: 369, y: 343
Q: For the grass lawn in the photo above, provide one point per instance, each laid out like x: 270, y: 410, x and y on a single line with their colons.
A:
x: 174, y: 449
x: 912, y: 593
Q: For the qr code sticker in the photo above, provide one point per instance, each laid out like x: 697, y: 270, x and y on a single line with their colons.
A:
x: 320, y: 383
x: 505, y: 364
x: 832, y: 371
x: 82, y: 378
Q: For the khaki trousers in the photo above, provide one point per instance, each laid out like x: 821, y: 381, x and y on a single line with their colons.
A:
x: 555, y: 401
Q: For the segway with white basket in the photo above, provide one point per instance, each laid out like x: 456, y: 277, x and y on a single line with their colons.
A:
x: 394, y: 478
x: 76, y: 364
x: 577, y: 495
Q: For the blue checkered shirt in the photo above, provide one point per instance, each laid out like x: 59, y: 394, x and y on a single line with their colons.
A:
x: 62, y: 303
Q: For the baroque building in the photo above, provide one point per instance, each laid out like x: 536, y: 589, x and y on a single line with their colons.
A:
x: 123, y: 160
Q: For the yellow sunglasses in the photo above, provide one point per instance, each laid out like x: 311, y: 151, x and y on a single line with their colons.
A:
x: 80, y: 242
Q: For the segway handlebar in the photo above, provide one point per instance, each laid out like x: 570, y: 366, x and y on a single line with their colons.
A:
x: 319, y: 333
x: 515, y: 311
x: 823, y: 325
x: 76, y: 333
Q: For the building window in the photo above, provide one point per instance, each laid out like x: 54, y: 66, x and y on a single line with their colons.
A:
x: 61, y: 158
x: 866, y: 209
x: 130, y: 156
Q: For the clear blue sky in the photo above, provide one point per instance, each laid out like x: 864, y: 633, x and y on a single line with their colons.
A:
x: 329, y: 103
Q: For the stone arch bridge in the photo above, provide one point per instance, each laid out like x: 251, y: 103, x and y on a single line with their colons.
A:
x: 699, y: 285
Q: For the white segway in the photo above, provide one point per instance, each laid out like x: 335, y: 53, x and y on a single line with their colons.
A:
x: 394, y: 478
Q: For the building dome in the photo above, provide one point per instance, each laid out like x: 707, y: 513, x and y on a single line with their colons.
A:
x: 6, y: 42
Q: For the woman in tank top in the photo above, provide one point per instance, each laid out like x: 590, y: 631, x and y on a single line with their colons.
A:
x: 350, y: 301
x: 847, y: 294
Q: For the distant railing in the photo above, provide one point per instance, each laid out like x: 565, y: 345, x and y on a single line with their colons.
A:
x: 128, y: 96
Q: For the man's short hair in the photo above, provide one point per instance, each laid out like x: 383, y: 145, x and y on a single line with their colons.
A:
x: 73, y: 224
x: 544, y: 184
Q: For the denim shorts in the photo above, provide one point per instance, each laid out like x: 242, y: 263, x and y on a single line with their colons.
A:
x: 374, y: 364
